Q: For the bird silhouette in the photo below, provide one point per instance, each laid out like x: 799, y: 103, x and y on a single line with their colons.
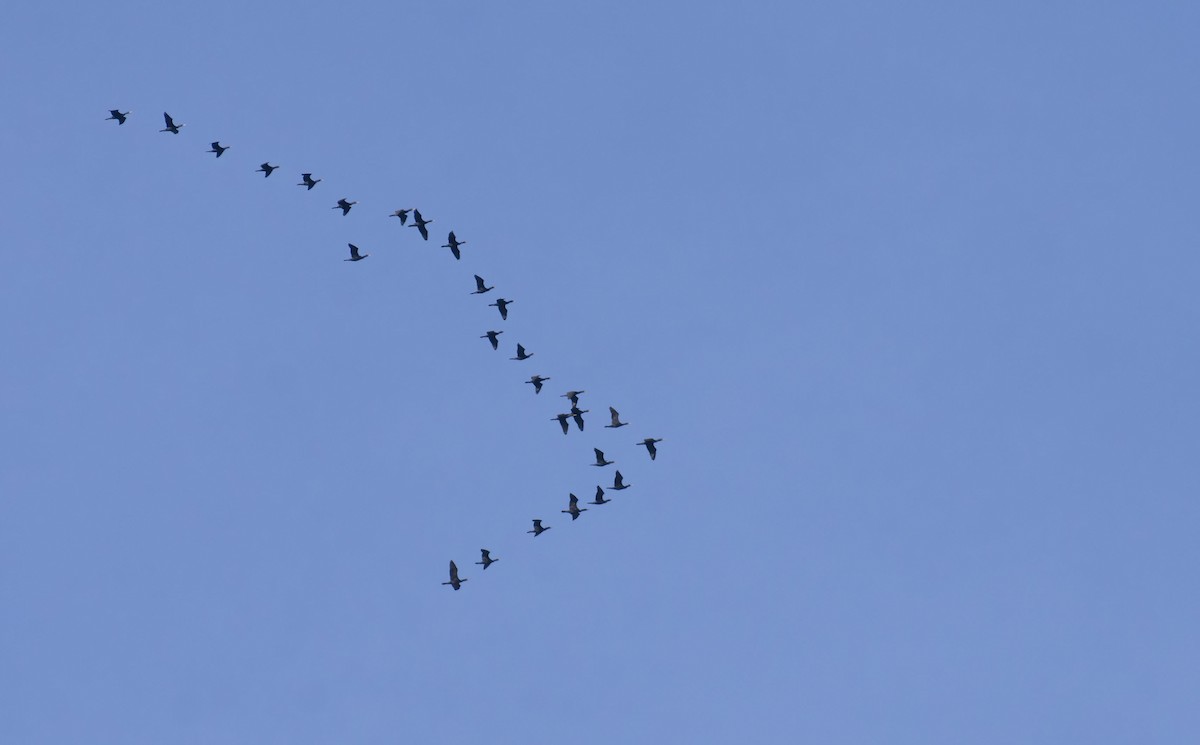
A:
x: 492, y: 337
x: 453, y: 244
x: 521, y: 355
x: 537, y: 381
x: 649, y: 443
x: 573, y: 395
x: 419, y: 223
x: 538, y: 529
x: 616, y: 419
x: 562, y: 420
x: 577, y: 413
x: 487, y: 558
x: 344, y: 206
x: 171, y: 127
x: 502, y: 304
x: 600, y: 460
x: 479, y: 286
x: 402, y: 214
x: 265, y: 169
x: 454, y: 582
x: 218, y: 148
x: 573, y: 510
x: 599, y: 497
x: 308, y: 181
x: 354, y: 255
x: 117, y: 115
x: 619, y: 482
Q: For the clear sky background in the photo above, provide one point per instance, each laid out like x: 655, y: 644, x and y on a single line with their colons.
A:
x: 908, y: 289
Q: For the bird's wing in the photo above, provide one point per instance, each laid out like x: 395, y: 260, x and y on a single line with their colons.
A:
x: 167, y: 119
x: 478, y: 282
x: 453, y: 571
x: 353, y: 250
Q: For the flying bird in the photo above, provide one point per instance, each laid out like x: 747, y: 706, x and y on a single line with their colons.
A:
x: 218, y: 148
x: 537, y: 381
x: 521, y: 354
x: 265, y: 169
x: 492, y: 337
x: 562, y: 420
x: 453, y: 244
x: 538, y: 529
x: 480, y: 288
x: 649, y: 443
x: 171, y: 127
x: 116, y: 114
x: 573, y: 510
x: 402, y: 214
x: 619, y: 482
x: 616, y: 419
x: 573, y: 395
x: 308, y: 181
x: 502, y: 304
x: 454, y: 582
x: 354, y: 254
x: 599, y: 497
x: 487, y: 558
x: 577, y: 413
x: 344, y: 206
x: 419, y: 223
x: 600, y: 460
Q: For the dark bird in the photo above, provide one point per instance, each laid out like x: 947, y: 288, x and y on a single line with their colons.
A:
x: 577, y: 413
x: 600, y: 461
x: 116, y: 114
x: 538, y: 529
x: 616, y: 419
x: 454, y: 582
x: 265, y: 169
x: 453, y: 244
x: 171, y: 127
x: 354, y: 254
x: 649, y: 443
x: 308, y: 181
x: 344, y: 206
x: 562, y: 420
x: 573, y: 395
x: 573, y: 510
x: 599, y: 497
x: 521, y: 354
x: 419, y: 223
x: 537, y: 381
x: 492, y: 337
x: 218, y: 148
x: 502, y: 304
x: 619, y: 482
x: 480, y: 288
x: 402, y: 214
x: 487, y: 558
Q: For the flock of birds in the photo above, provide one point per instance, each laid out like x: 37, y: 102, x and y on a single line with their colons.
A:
x: 481, y: 287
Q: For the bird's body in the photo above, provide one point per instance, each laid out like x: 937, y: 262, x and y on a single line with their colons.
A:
x: 619, y: 482
x: 600, y: 459
x: 480, y: 286
x: 308, y: 180
x: 573, y: 509
x: 354, y: 254
x: 402, y: 214
x: 521, y: 355
x: 538, y: 529
x: 573, y: 396
x: 537, y: 381
x: 577, y: 414
x: 453, y: 243
x: 616, y: 419
x: 118, y: 116
x: 419, y: 223
x: 649, y: 443
x: 600, y: 497
x: 454, y: 582
x: 265, y: 169
x: 344, y: 206
x: 487, y: 558
x: 502, y: 304
x: 562, y: 421
x: 492, y: 337
x: 171, y: 127
x: 218, y: 148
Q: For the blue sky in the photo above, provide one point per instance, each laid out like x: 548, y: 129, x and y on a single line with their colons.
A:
x: 909, y: 291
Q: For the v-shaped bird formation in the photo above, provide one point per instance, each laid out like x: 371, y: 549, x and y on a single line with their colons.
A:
x: 418, y: 221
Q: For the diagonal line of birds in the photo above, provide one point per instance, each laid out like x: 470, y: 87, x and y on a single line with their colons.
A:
x: 418, y: 221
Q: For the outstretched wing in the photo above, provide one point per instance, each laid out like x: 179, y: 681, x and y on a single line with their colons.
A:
x: 453, y: 572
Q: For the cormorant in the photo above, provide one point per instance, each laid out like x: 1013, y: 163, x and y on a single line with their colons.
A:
x: 454, y: 582
x: 600, y: 460
x: 116, y: 114
x: 480, y: 288
x: 573, y: 510
x: 537, y: 381
x: 562, y: 420
x: 453, y: 244
x: 649, y: 443
x: 354, y: 255
x: 619, y: 482
x: 308, y: 181
x: 521, y: 354
x: 487, y: 558
x: 502, y: 304
x: 171, y: 127
x: 218, y: 148
x: 265, y: 169
x: 599, y: 497
x: 344, y: 206
x: 419, y: 223
x: 538, y: 529
x: 491, y: 336
x: 616, y: 419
